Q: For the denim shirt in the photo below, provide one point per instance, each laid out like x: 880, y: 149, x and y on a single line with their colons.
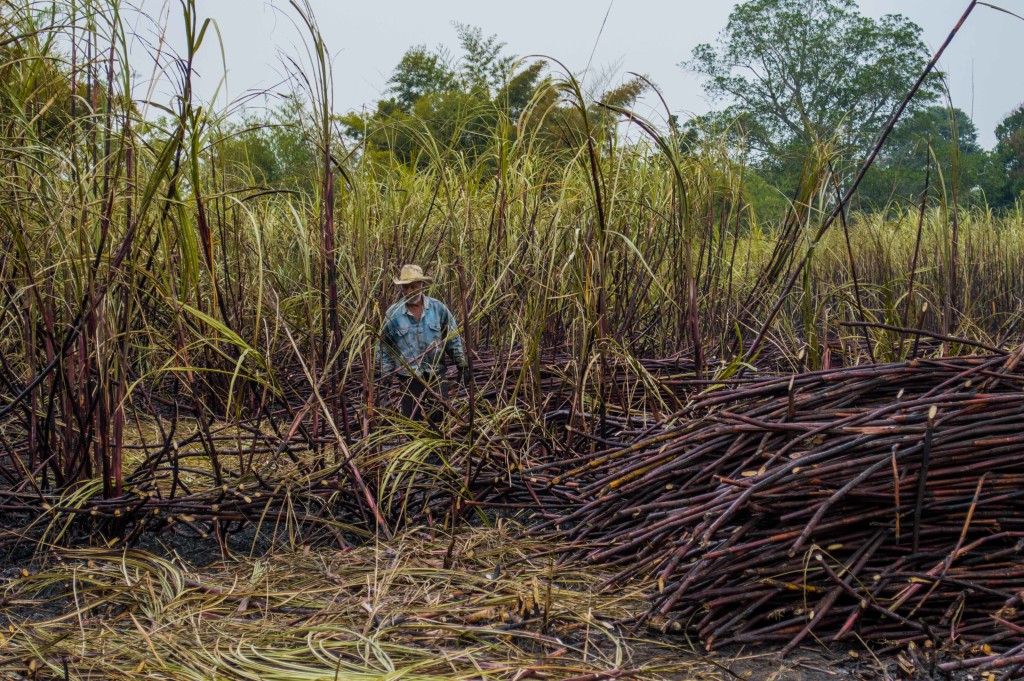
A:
x: 423, y: 344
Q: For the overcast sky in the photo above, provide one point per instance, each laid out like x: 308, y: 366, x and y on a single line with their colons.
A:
x: 368, y: 37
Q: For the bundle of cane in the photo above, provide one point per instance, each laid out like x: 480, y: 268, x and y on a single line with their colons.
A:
x: 885, y: 501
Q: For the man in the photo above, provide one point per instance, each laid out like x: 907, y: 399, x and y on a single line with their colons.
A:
x: 418, y: 332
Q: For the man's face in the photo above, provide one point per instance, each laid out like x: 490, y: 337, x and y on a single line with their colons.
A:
x: 413, y: 293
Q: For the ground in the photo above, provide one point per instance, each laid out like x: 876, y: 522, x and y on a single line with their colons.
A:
x: 486, y: 603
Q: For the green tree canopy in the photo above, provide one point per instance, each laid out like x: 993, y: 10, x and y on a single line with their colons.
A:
x: 273, y: 149
x: 943, y: 139
x: 1010, y: 153
x: 801, y: 70
x: 467, y: 103
x: 419, y: 73
x: 452, y: 101
x: 484, y: 68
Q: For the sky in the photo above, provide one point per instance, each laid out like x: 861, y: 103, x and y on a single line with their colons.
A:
x: 367, y: 38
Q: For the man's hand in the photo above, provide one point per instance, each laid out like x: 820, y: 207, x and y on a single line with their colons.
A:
x: 464, y: 377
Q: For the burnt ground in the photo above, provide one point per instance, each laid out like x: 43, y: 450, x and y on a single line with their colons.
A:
x: 652, y: 654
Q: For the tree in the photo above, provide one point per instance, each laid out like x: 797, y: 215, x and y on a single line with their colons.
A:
x: 803, y: 70
x: 517, y: 93
x: 453, y: 101
x: 465, y: 104
x: 1010, y: 152
x: 484, y: 68
x: 943, y: 139
x: 273, y: 150
x: 420, y: 73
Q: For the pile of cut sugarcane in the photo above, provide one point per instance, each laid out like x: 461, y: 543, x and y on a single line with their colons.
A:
x: 884, y: 502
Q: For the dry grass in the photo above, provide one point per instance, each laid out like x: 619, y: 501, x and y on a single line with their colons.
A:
x: 420, y: 607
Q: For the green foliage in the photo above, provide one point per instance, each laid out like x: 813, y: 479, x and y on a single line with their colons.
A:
x: 419, y: 73
x: 1010, y: 153
x: 942, y: 139
x: 437, y: 99
x: 766, y: 200
x: 271, y: 150
x: 515, y: 96
x: 37, y: 76
x: 808, y: 69
x: 483, y: 69
x: 461, y: 108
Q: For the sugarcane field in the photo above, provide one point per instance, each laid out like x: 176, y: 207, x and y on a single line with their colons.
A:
x: 575, y: 341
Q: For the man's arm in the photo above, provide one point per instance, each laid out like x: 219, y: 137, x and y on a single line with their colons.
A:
x: 453, y: 342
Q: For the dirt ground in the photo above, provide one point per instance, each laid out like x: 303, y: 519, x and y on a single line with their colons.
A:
x: 421, y: 598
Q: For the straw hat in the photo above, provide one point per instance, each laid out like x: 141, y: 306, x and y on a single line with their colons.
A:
x: 410, y: 274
